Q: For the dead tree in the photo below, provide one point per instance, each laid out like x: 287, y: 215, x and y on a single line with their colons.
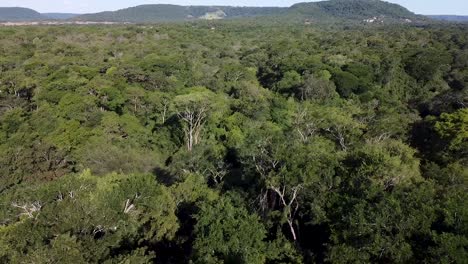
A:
x: 218, y: 172
x: 129, y: 204
x: 194, y: 118
x: 165, y: 110
x: 306, y: 126
x: 128, y: 207
x: 290, y: 205
x: 265, y: 162
x: 29, y: 209
x: 338, y: 133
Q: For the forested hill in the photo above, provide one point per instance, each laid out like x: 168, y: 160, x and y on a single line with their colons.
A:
x: 369, y: 10
x: 363, y: 11
x: 14, y: 14
x: 161, y: 13
x: 450, y: 18
x: 19, y: 14
x: 372, y: 11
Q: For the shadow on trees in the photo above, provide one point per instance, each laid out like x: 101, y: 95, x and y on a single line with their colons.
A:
x: 164, y: 177
x: 180, y: 249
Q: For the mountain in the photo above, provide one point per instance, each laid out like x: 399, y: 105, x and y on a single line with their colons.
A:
x: 19, y: 14
x: 15, y: 14
x: 143, y: 13
x: 162, y: 13
x: 59, y: 16
x: 361, y: 11
x: 452, y: 18
x: 370, y: 11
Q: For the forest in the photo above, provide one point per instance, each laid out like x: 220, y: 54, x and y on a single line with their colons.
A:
x: 234, y: 142
x: 321, y: 12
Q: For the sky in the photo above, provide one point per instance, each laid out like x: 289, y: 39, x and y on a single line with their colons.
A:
x: 426, y: 7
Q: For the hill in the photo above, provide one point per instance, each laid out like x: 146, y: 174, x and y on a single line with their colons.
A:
x: 359, y: 10
x: 371, y: 11
x: 162, y: 13
x: 19, y: 14
x: 14, y: 14
x: 143, y: 13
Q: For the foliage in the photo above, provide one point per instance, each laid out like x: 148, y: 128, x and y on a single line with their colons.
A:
x: 234, y: 142
x: 332, y: 10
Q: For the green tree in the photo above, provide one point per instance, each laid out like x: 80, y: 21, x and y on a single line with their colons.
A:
x: 227, y: 232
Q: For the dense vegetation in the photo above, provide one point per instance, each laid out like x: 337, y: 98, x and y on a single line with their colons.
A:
x: 163, y: 12
x: 319, y: 12
x: 233, y: 142
x: 353, y: 10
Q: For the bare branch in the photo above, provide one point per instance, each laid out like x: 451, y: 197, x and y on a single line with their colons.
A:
x: 128, y: 207
x: 28, y: 209
x: 287, y: 206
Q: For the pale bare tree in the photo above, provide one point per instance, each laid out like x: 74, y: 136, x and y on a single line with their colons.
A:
x: 268, y: 165
x: 306, y: 125
x: 265, y: 162
x: 192, y: 109
x: 29, y: 209
x: 338, y: 133
x: 128, y: 206
x: 217, y: 172
x: 342, y: 132
x: 194, y: 118
x: 288, y: 201
x: 165, y: 105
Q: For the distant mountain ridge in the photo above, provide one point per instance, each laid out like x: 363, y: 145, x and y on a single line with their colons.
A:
x: 354, y: 9
x: 452, y: 18
x: 16, y: 14
x: 59, y: 16
x: 19, y: 14
x: 163, y: 12
x: 362, y: 11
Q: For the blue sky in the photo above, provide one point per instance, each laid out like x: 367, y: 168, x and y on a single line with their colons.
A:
x: 428, y: 7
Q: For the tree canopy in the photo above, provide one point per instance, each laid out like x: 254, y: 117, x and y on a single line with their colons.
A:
x: 233, y: 142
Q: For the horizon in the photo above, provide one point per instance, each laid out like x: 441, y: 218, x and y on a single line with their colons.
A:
x: 428, y: 7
